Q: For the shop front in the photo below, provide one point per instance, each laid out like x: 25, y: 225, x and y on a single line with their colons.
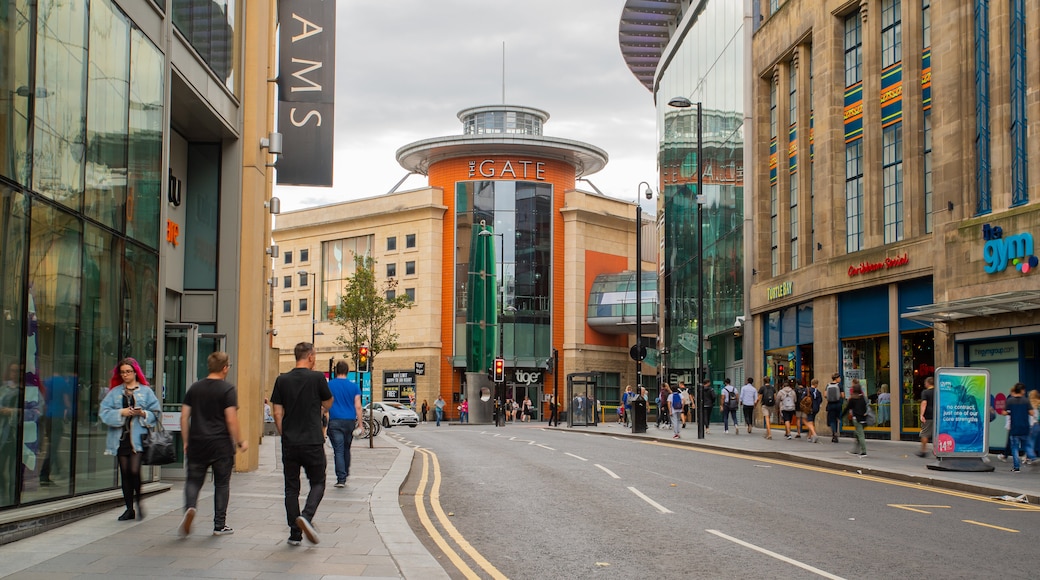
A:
x: 788, y: 342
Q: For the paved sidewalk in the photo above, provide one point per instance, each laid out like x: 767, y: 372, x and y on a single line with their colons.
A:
x: 891, y: 459
x: 362, y: 530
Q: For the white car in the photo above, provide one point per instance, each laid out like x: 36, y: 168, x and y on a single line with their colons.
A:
x: 389, y: 414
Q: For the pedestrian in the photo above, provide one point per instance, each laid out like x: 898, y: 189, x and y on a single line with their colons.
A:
x: 788, y: 400
x: 1019, y: 413
x: 626, y: 403
x: 516, y: 410
x: 834, y: 397
x: 209, y: 427
x: 425, y: 410
x: 675, y: 406
x: 687, y: 398
x: 767, y: 398
x: 800, y: 394
x: 1034, y: 433
x: 464, y: 411
x: 660, y: 406
x: 856, y: 409
x: 528, y: 409
x: 748, y: 398
x: 927, y: 415
x: 728, y: 404
x: 553, y: 411
x: 438, y: 409
x: 300, y: 398
x: 813, y: 408
x: 343, y: 417
x: 705, y: 402
x: 128, y: 412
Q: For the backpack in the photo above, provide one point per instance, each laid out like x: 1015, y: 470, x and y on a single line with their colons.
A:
x: 732, y: 402
x: 870, y: 419
x: 676, y: 402
x: 787, y: 404
x: 833, y: 393
x: 805, y: 405
x: 768, y: 396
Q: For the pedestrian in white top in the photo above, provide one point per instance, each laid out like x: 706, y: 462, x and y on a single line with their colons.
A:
x: 748, y: 397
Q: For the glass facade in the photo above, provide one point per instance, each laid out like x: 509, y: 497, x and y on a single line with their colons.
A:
x: 338, y: 265
x: 79, y: 224
x: 209, y: 27
x: 519, y: 214
x: 701, y: 69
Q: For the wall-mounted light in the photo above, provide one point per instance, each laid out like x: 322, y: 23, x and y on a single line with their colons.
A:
x: 272, y: 251
x: 949, y: 205
x: 273, y: 143
x: 274, y: 206
x: 819, y: 246
x: 273, y: 332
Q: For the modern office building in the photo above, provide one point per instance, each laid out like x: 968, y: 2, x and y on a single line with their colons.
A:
x: 567, y: 260
x: 696, y: 50
x: 898, y: 234
x: 133, y: 191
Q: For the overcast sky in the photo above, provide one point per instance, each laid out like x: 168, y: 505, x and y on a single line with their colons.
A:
x: 405, y: 68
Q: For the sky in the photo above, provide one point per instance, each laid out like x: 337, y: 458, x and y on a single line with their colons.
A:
x: 405, y: 68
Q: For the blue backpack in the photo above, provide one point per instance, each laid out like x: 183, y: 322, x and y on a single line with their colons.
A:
x: 677, y: 402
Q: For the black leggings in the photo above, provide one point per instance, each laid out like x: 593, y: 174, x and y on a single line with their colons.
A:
x: 130, y: 474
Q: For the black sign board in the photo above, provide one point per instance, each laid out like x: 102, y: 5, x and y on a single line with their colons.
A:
x: 420, y: 368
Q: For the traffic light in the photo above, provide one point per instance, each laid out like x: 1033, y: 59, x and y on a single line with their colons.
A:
x: 499, y: 370
x: 363, y: 360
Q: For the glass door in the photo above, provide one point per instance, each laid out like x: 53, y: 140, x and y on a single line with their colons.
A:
x: 184, y: 363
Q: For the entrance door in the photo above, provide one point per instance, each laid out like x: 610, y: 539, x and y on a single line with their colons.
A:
x: 184, y: 363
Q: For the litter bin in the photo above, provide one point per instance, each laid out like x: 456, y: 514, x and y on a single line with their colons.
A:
x: 639, y: 415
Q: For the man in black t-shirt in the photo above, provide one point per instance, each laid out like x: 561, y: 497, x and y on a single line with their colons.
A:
x: 927, y: 414
x: 209, y: 427
x: 300, y: 398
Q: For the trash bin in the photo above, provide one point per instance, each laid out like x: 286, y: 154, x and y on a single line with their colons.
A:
x: 639, y: 415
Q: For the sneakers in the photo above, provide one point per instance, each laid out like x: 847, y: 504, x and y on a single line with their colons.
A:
x: 676, y: 436
x: 185, y: 527
x: 798, y: 436
x: 788, y: 437
x: 308, y: 530
x: 725, y: 431
x: 919, y: 453
x: 852, y: 452
x: 864, y: 454
x: 1002, y: 457
x: 341, y: 484
x: 293, y: 542
x: 814, y: 439
x: 834, y: 438
x: 1016, y: 470
x: 224, y: 531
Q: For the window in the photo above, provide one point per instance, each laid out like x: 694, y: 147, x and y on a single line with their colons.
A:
x: 391, y: 243
x: 891, y: 33
x: 928, y: 200
x: 984, y: 203
x: 305, y: 254
x: 854, y: 196
x: 303, y: 305
x: 286, y: 306
x: 409, y: 241
x: 410, y: 293
x: 409, y: 268
x: 892, y: 181
x: 391, y: 294
x: 772, y: 109
x: 853, y: 50
x: 337, y: 266
x: 926, y: 23
x: 1019, y: 102
x: 287, y: 281
x: 792, y: 93
x: 774, y: 232
x: 304, y: 279
x: 287, y: 259
x: 391, y: 270
x: 794, y: 221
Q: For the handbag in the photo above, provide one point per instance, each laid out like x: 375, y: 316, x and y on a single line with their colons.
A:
x: 157, y: 446
x: 870, y: 419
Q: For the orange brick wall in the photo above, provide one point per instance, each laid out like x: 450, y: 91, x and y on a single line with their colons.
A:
x: 445, y: 174
x: 597, y: 263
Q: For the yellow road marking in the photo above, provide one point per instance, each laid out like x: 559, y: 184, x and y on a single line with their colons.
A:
x: 432, y: 529
x: 442, y: 517
x: 990, y: 526
x: 913, y: 507
x: 854, y: 475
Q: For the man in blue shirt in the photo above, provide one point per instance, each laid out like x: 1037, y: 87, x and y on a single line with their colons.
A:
x: 346, y: 408
x: 1019, y: 410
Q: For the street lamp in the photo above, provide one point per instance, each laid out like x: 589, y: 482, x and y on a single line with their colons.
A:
x: 314, y: 301
x: 639, y: 352
x: 500, y: 387
x: 684, y: 103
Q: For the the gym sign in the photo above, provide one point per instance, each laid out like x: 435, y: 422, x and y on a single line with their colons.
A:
x: 507, y: 169
x: 525, y: 377
x: 1000, y: 249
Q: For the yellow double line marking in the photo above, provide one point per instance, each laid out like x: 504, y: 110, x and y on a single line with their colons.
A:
x: 429, y: 459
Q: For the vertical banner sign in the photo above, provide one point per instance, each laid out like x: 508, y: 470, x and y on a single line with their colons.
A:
x: 961, y: 412
x: 306, y: 91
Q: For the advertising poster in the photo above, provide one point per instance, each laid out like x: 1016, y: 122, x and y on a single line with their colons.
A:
x: 961, y: 400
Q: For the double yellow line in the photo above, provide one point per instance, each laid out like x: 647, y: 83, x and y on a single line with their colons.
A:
x: 430, y: 463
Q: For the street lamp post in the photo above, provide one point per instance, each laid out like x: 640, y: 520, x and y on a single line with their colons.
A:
x: 684, y: 103
x: 640, y: 353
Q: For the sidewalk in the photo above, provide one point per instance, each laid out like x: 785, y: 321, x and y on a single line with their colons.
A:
x: 363, y: 532
x: 889, y: 459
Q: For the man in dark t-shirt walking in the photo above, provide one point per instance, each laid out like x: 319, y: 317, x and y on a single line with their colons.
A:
x: 209, y: 427
x: 927, y: 414
x: 299, y: 399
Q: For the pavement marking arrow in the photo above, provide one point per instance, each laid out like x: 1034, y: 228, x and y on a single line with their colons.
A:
x: 913, y: 507
x: 990, y: 526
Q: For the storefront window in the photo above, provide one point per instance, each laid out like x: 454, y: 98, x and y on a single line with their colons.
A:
x: 140, y: 307
x: 16, y: 91
x: 867, y: 359
x: 917, y: 364
x: 13, y: 228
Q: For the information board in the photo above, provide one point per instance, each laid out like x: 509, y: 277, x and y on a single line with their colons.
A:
x: 961, y: 412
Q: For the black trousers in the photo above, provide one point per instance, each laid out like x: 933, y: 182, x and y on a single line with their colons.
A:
x: 312, y: 459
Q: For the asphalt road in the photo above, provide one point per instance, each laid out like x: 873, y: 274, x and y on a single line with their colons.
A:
x: 539, y: 503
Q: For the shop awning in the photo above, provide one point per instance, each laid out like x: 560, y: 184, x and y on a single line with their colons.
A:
x: 973, y: 307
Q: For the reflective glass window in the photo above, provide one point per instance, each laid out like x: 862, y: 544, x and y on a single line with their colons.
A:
x: 287, y: 282
x: 338, y: 266
x: 854, y: 196
x: 140, y: 307
x: 410, y: 293
x: 391, y: 243
x: 16, y: 91
x: 286, y: 306
x: 409, y: 268
x: 409, y: 241
x: 853, y: 50
x: 59, y: 138
x: 305, y: 255
x: 892, y: 181
x: 202, y: 228
x: 303, y: 305
x: 13, y: 230
x: 144, y: 173
x: 391, y: 270
x: 210, y: 28
x: 891, y: 33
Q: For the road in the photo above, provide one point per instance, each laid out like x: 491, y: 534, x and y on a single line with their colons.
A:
x: 526, y: 502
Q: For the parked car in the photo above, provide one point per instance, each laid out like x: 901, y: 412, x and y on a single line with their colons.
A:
x: 389, y: 414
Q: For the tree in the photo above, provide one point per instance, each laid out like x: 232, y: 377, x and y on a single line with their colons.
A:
x: 366, y: 314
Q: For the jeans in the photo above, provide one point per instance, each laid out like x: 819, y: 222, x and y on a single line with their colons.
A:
x: 312, y: 459
x: 833, y: 416
x: 341, y: 434
x: 860, y: 446
x: 1017, y: 442
x: 726, y: 415
x: 676, y: 421
x: 196, y: 477
x: 440, y: 415
x: 463, y: 416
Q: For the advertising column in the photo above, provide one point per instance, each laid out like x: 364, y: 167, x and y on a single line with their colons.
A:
x: 961, y: 416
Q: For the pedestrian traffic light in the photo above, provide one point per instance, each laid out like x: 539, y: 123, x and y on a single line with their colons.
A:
x: 363, y: 360
x: 499, y: 370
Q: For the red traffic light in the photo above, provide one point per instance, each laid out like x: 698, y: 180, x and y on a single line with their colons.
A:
x: 363, y: 360
x: 499, y: 370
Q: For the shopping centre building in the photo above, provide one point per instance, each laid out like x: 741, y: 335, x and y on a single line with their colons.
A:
x: 567, y: 259
x: 133, y: 188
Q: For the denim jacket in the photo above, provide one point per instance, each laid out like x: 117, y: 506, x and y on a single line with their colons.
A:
x: 112, y: 404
